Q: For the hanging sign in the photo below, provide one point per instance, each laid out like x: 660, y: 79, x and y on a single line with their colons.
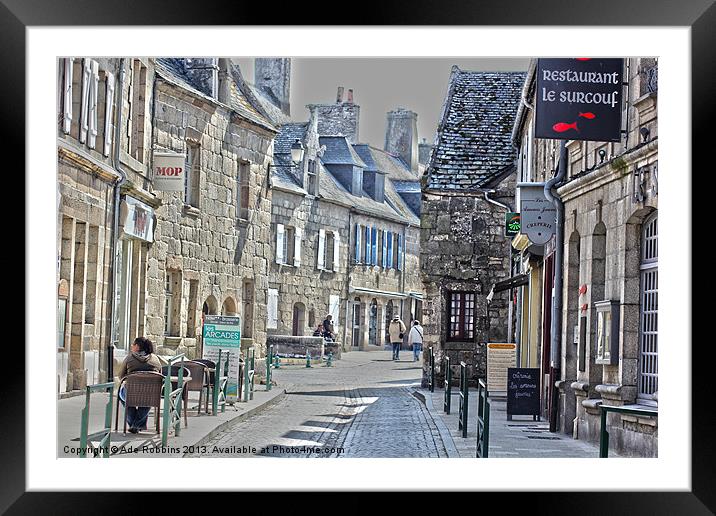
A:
x: 539, y: 215
x: 579, y: 99
x: 169, y: 171
x: 137, y: 219
x: 512, y: 224
x: 223, y: 332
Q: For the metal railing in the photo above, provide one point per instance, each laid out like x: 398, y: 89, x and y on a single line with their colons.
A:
x: 173, y: 399
x: 604, y: 435
x: 483, y: 421
x: 249, y: 373
x: 220, y: 381
x: 462, y: 419
x: 431, y: 370
x: 103, y: 435
x: 269, y: 355
x: 448, y: 386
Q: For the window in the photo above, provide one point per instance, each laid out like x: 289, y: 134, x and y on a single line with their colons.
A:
x: 242, y: 195
x: 389, y: 250
x: 400, y: 252
x: 374, y: 246
x: 384, y: 248
x: 328, y: 250
x: 358, y: 242
x: 272, y: 309
x: 172, y: 302
x: 329, y: 263
x: 461, y: 316
x: 192, y: 176
x: 66, y: 98
x: 312, y: 177
x: 193, y: 309
x: 137, y: 100
x: 648, y: 330
x: 367, y: 246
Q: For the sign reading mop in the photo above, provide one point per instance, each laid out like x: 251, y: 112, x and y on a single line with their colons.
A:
x: 579, y: 99
x: 223, y: 332
x: 169, y: 172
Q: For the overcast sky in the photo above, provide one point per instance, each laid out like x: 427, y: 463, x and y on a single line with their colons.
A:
x: 380, y: 85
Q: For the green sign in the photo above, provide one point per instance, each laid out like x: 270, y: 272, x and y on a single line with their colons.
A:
x: 222, y: 331
x: 512, y: 224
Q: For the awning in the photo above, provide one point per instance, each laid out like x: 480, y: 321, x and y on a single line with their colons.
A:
x: 513, y: 282
x: 377, y: 293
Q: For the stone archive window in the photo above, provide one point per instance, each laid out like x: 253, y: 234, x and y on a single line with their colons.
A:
x: 461, y: 315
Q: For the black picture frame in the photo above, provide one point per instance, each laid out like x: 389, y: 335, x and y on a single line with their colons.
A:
x: 700, y: 16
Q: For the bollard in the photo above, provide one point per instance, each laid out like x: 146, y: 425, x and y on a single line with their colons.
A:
x: 329, y: 363
x: 276, y: 362
x: 308, y: 359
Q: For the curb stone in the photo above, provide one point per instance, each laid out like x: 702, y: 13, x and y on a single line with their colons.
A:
x: 444, y: 432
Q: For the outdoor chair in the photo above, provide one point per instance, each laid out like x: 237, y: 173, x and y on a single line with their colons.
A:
x: 199, y: 380
x: 208, y: 379
x: 142, y: 389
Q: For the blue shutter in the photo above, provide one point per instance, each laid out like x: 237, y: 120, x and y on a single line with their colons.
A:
x: 400, y: 252
x: 385, y: 250
x: 389, y: 265
x: 366, y: 260
x: 374, y: 246
x: 357, y: 259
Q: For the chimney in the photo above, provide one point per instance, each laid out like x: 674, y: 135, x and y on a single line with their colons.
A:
x: 424, y: 150
x: 340, y: 118
x: 401, y: 136
x: 273, y: 77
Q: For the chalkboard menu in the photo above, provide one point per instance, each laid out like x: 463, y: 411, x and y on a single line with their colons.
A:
x: 523, y: 392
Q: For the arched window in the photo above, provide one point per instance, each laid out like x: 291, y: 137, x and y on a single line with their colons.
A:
x: 649, y: 290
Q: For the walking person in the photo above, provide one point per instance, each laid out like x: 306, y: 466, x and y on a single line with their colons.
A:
x: 415, y: 337
x: 141, y: 358
x: 396, y: 330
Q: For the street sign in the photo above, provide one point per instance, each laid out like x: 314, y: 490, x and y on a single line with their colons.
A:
x: 512, y: 224
x: 579, y: 99
x: 539, y: 216
x: 523, y: 392
x: 223, y: 332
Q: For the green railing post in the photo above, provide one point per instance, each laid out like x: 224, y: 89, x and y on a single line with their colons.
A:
x: 167, y: 403
x: 448, y: 386
x: 246, y: 376
x: 217, y: 382
x: 104, y: 434
x: 603, y: 435
x: 268, y: 367
x: 252, y: 377
x: 308, y: 358
x: 329, y: 363
x: 431, y: 370
x: 462, y: 420
x: 483, y: 421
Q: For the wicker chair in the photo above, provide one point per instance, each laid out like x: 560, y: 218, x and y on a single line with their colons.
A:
x: 199, y: 380
x: 185, y: 384
x: 142, y: 389
x: 209, y: 378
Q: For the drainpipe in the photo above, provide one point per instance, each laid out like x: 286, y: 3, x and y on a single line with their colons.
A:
x: 115, y: 229
x: 349, y: 303
x: 556, y: 327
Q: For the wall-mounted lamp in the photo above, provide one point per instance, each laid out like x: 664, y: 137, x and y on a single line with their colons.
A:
x: 602, y: 155
x: 296, y: 155
x: 644, y: 131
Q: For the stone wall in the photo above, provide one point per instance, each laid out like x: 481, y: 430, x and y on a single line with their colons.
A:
x: 293, y: 346
x: 463, y: 249
x: 222, y: 261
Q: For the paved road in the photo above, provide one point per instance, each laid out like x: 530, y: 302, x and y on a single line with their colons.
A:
x: 361, y: 407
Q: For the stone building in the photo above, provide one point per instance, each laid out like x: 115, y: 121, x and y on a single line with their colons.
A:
x: 104, y: 211
x: 211, y: 249
x: 468, y: 187
x: 610, y: 263
x: 344, y: 236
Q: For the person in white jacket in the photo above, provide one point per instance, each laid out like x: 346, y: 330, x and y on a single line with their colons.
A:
x: 415, y: 337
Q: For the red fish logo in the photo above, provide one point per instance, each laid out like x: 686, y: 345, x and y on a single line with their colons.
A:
x: 588, y: 115
x: 583, y: 58
x: 560, y: 127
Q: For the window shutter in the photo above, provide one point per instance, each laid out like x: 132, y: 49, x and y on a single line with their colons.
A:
x: 321, y: 248
x: 297, y: 247
x: 92, y: 105
x: 374, y: 245
x: 390, y: 250
x: 385, y: 249
x: 108, y: 109
x: 334, y: 305
x: 84, y: 104
x: 357, y: 257
x: 400, y: 252
x: 367, y: 246
x: 67, y: 101
x: 280, y: 244
x: 336, y: 249
x: 272, y: 308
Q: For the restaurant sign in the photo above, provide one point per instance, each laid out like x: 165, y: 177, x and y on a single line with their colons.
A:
x: 539, y: 215
x: 137, y: 219
x: 223, y: 332
x: 579, y: 99
x: 169, y: 172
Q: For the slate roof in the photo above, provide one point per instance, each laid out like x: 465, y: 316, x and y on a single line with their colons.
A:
x: 473, y: 144
x: 173, y: 70
x: 339, y: 152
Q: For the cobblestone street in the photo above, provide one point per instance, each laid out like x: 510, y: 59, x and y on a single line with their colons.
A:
x: 361, y: 407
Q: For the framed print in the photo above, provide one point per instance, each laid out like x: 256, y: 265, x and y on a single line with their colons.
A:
x: 221, y: 166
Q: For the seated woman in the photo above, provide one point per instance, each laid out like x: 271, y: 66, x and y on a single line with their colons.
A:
x: 141, y: 358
